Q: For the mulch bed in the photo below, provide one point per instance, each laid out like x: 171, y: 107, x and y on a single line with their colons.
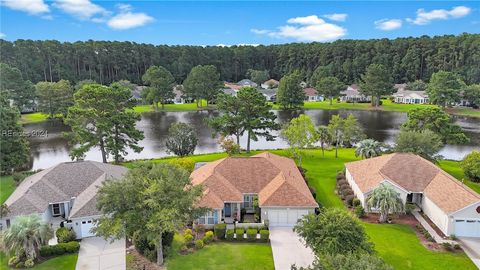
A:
x: 433, y: 226
x: 140, y: 262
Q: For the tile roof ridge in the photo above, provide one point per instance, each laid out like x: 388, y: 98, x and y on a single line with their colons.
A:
x: 458, y: 183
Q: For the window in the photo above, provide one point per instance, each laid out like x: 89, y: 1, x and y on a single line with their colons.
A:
x: 208, y: 218
x: 56, y: 209
x: 8, y: 223
x: 248, y: 201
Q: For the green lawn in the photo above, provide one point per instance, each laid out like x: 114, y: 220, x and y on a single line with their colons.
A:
x: 7, y: 186
x: 65, y: 262
x: 453, y: 167
x: 33, y: 118
x: 399, y: 246
x: 173, y: 107
x: 234, y: 256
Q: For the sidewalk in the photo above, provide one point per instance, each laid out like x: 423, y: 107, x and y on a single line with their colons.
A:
x: 430, y: 230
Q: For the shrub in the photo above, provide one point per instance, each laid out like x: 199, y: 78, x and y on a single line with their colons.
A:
x: 453, y: 237
x: 252, y: 228
x: 19, y: 265
x: 347, y: 192
x: 409, y: 207
x: 239, y: 232
x: 471, y: 166
x: 13, y: 261
x: 199, y: 244
x: 151, y: 255
x: 343, y: 187
x: 457, y: 247
x: 447, y: 246
x: 208, y: 237
x: 355, y: 202
x: 188, y: 239
x: 29, y: 263
x: 340, y: 175
x: 71, y: 247
x: 220, y: 230
x: 264, y: 235
x: 230, y: 234
x: 65, y: 235
x: 185, y: 162
x: 187, y: 231
x: 349, y: 199
x: 251, y: 234
x: 359, y: 211
x: 342, y: 182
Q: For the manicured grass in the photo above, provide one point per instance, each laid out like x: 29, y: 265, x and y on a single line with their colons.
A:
x: 173, y: 107
x: 465, y: 112
x: 33, y: 118
x: 7, y: 186
x: 399, y: 246
x: 453, y: 168
x: 232, y: 256
x: 64, y: 262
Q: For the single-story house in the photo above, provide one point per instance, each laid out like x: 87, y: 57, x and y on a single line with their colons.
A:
x: 452, y: 206
x: 311, y: 94
x: 402, y: 95
x: 65, y: 193
x: 234, y: 183
x: 352, y: 94
x: 229, y: 91
x: 137, y: 92
x: 179, y: 96
x: 269, y: 94
x: 233, y: 86
x: 272, y: 83
x: 247, y: 82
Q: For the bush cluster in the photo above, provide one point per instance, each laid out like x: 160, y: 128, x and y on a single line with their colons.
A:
x: 264, y: 235
x: 199, y: 244
x: 359, y: 211
x: 239, y: 233
x: 425, y: 233
x: 220, y: 230
x: 60, y: 249
x: 252, y: 235
x: 230, y: 236
x: 65, y: 235
x: 208, y: 238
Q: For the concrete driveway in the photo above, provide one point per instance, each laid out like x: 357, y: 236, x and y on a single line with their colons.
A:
x: 287, y: 249
x: 471, y: 246
x: 97, y: 254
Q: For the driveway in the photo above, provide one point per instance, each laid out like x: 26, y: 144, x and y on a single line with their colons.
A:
x: 98, y: 254
x: 287, y: 249
x: 471, y: 246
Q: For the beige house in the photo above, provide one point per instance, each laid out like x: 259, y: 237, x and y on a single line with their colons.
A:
x: 450, y: 205
x: 232, y: 184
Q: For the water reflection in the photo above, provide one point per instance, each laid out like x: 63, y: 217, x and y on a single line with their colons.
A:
x: 382, y: 126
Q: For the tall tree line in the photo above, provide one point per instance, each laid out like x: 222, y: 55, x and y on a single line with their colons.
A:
x: 107, y: 61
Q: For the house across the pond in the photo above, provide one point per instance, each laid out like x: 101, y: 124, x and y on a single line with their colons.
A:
x: 234, y: 183
x: 453, y: 207
x: 63, y: 194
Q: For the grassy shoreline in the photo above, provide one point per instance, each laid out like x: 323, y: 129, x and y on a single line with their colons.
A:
x: 387, y: 106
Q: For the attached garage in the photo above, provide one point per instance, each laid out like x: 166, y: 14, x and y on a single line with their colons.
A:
x: 285, y: 217
x: 86, y: 227
x: 467, y: 227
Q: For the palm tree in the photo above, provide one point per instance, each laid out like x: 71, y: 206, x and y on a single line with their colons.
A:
x: 369, y: 148
x: 323, y: 137
x: 26, y: 236
x: 385, y: 199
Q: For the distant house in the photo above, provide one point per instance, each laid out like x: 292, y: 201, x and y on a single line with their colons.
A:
x: 352, y: 94
x: 179, y: 97
x: 233, y: 86
x: 269, y: 94
x: 63, y: 194
x: 272, y: 83
x: 229, y: 91
x: 247, y: 82
x: 137, y: 92
x: 452, y: 206
x: 231, y: 186
x: 405, y: 96
x: 311, y: 94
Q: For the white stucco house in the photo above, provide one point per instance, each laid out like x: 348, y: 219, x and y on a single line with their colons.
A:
x: 65, y: 193
x: 452, y: 206
x: 272, y: 83
x: 232, y: 184
x: 311, y: 94
x: 405, y: 96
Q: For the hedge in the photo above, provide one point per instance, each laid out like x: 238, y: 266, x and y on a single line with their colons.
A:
x: 60, y: 249
x: 239, y: 232
x: 251, y: 234
x: 220, y: 230
x: 199, y: 244
x: 264, y: 235
x: 230, y: 234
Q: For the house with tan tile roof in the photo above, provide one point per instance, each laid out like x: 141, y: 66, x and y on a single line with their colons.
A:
x: 452, y: 206
x: 232, y: 184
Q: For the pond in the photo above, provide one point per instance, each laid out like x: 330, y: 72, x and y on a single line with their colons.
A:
x: 53, y: 148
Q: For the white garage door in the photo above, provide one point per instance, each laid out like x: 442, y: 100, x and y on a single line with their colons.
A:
x: 85, y: 228
x: 467, y: 227
x: 285, y: 217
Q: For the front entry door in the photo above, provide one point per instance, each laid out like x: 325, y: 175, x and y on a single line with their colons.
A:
x: 228, y: 210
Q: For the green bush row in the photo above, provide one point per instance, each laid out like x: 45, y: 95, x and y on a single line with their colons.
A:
x: 59, y: 249
x: 238, y: 235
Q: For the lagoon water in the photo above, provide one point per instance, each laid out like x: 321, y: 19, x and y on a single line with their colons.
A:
x: 53, y: 148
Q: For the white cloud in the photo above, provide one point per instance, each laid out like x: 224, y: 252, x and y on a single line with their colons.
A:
x: 2, y: 35
x: 81, y: 9
x: 129, y: 20
x: 339, y: 17
x: 388, y: 24
x: 32, y: 7
x: 124, y: 7
x: 425, y: 17
x: 308, y: 28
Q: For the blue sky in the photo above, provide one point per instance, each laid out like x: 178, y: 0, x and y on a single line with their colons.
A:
x: 230, y: 23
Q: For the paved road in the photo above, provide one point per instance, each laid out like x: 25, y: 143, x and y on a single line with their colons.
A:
x: 471, y: 246
x: 97, y: 254
x: 287, y: 249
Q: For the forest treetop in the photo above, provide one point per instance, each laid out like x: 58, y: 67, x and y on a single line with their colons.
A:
x: 408, y: 59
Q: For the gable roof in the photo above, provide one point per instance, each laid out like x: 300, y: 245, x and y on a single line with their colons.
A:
x: 247, y: 82
x: 61, y: 183
x: 275, y: 179
x: 310, y: 92
x: 414, y: 174
x: 271, y: 82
